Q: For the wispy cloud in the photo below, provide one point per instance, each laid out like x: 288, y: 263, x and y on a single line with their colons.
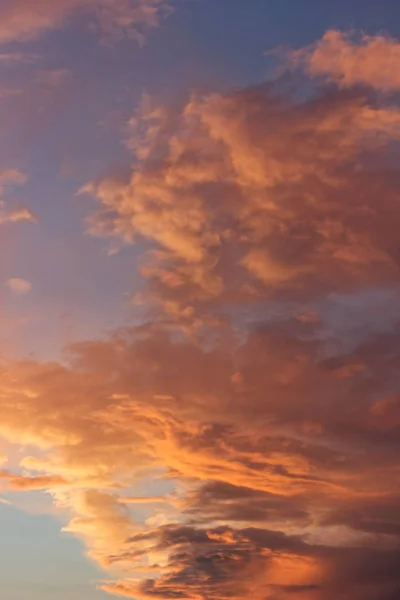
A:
x: 24, y: 20
x: 12, y: 59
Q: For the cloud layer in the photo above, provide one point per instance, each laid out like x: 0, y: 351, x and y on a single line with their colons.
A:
x: 259, y: 405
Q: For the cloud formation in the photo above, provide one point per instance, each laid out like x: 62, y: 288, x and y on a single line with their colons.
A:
x: 371, y: 60
x: 19, y: 286
x: 262, y: 395
x: 25, y: 20
x: 257, y: 194
x: 284, y: 477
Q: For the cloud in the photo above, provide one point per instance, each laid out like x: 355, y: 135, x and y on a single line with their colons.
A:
x: 15, y: 215
x: 281, y: 477
x: 222, y: 562
x: 10, y: 178
x: 253, y: 194
x: 25, y: 20
x: 19, y: 482
x: 372, y: 61
x: 11, y: 59
x: 244, y: 441
x: 19, y: 286
x: 101, y: 521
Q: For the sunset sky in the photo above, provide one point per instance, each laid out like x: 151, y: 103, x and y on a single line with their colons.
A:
x: 200, y: 299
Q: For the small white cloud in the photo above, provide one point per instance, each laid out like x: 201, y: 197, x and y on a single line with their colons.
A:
x: 19, y: 286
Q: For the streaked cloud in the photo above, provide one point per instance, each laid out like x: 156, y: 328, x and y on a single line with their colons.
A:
x: 11, y: 59
x: 19, y: 482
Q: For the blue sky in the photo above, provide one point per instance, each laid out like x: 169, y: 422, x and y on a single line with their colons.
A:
x: 38, y: 562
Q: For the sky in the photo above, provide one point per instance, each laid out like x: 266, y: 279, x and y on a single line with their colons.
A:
x: 199, y: 299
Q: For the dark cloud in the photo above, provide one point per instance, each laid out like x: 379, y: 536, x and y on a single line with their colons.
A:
x: 224, y: 562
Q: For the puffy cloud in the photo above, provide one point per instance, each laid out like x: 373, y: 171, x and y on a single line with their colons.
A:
x: 19, y: 286
x: 101, y: 520
x: 272, y: 438
x: 256, y: 194
x: 24, y: 20
x: 372, y: 60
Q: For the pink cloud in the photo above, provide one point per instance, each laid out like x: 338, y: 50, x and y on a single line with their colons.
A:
x: 369, y: 60
x: 24, y: 20
x: 19, y: 286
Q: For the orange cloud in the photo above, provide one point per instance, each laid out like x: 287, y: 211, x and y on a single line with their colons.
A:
x: 10, y: 178
x: 19, y: 482
x: 276, y: 436
x: 250, y: 195
x: 237, y: 456
x: 101, y: 521
x: 15, y: 215
x: 372, y: 61
x: 19, y: 286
